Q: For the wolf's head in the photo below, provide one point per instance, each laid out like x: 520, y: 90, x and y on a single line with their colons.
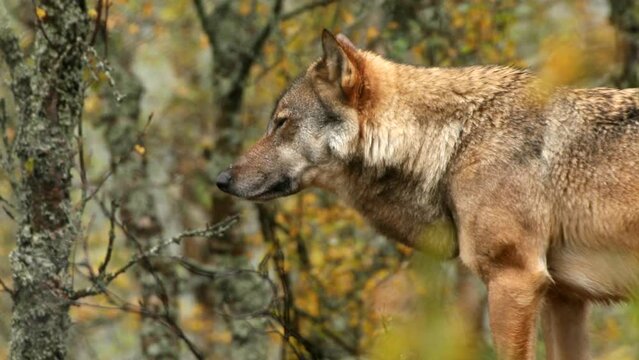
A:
x: 313, y: 127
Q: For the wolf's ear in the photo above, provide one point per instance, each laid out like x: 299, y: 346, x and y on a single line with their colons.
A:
x: 340, y: 64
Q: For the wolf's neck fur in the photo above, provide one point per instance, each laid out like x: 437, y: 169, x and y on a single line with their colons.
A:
x: 409, y: 137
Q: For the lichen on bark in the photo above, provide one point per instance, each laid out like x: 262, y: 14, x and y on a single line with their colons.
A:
x: 49, y: 98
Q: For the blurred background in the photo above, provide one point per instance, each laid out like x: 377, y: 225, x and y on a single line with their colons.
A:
x: 178, y: 88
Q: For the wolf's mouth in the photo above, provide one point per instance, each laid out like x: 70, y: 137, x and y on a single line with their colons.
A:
x: 282, y: 187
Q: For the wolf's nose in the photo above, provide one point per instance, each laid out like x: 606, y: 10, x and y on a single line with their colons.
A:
x: 224, y: 180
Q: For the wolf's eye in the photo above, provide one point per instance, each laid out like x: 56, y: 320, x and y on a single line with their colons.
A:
x: 279, y: 122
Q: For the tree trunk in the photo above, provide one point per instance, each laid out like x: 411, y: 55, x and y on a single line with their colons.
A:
x: 49, y: 98
x: 132, y: 191
x: 236, y: 44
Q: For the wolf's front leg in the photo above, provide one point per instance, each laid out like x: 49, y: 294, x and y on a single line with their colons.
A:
x: 503, y: 228
x: 514, y: 299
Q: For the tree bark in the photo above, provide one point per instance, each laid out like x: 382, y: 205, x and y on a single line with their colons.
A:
x: 49, y: 98
x: 236, y: 44
x: 132, y: 191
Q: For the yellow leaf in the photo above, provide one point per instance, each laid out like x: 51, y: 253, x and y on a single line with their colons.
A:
x: 41, y: 13
x: 10, y: 133
x: 133, y: 29
x: 612, y: 330
x: 342, y: 283
x: 203, y: 41
x: 245, y: 8
x: 139, y: 149
x: 348, y: 17
x: 29, y: 165
x: 317, y: 258
x: 91, y: 103
x: 147, y: 9
x: 93, y: 14
x: 372, y: 33
x: 224, y: 337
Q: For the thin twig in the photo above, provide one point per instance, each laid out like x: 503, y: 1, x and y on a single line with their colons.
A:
x: 337, y: 338
x: 314, y: 351
x: 107, y: 256
x: 161, y: 318
x: 146, y: 263
x: 268, y: 231
x: 39, y: 23
x: 84, y: 235
x: 85, y: 248
x: 110, y: 172
x: 299, y: 355
x: 98, y: 18
x: 182, y: 335
x: 216, y: 274
x: 105, y: 29
x: 9, y: 214
x: 206, y: 20
x: 7, y: 202
x: 83, y: 171
x: 203, y: 16
x: 101, y: 282
x: 164, y: 318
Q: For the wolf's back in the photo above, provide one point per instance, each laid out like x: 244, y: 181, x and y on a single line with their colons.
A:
x: 591, y: 152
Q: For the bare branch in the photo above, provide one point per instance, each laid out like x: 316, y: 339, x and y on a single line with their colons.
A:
x: 107, y: 256
x: 267, y: 222
x: 105, y: 29
x: 98, y: 19
x: 337, y: 338
x: 109, y: 173
x: 9, y: 214
x: 162, y: 318
x: 214, y: 274
x: 7, y: 202
x: 202, y: 15
x: 255, y: 49
x: 84, y: 183
x: 312, y: 349
x: 102, y: 281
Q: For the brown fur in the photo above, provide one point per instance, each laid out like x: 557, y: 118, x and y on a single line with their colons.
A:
x: 541, y: 185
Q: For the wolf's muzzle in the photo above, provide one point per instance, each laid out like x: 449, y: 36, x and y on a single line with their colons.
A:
x: 223, y: 181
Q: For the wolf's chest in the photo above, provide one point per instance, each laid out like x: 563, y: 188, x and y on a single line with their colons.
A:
x: 400, y: 215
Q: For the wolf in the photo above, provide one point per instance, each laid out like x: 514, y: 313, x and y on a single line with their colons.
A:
x: 541, y: 183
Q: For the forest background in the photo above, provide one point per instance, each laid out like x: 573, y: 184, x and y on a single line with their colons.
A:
x: 116, y: 116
